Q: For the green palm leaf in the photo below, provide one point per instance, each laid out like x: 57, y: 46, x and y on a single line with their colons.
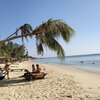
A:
x: 56, y: 28
x: 49, y: 42
x: 26, y: 29
x: 51, y: 30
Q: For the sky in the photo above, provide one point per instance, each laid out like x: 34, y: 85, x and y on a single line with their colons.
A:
x: 82, y: 15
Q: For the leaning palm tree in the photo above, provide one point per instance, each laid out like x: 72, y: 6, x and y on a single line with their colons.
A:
x: 46, y: 35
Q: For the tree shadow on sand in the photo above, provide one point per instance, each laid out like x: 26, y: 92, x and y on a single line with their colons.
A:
x: 13, y: 82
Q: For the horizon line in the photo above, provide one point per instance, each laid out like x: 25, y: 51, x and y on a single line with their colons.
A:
x: 75, y: 55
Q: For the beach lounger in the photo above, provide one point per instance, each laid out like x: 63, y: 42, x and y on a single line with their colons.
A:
x: 31, y: 76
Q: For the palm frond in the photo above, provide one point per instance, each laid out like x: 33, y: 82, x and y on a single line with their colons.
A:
x: 25, y: 29
x: 51, y: 30
x: 40, y: 50
x: 51, y: 43
x: 57, y: 28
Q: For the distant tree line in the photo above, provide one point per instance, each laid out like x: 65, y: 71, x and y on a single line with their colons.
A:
x: 13, y: 50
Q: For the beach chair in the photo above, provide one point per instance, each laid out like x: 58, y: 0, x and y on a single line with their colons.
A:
x: 32, y: 75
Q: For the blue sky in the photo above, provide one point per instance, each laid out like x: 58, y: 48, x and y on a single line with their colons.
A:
x: 82, y: 15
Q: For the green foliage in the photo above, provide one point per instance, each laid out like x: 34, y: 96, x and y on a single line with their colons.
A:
x: 52, y: 29
x: 11, y: 49
x: 26, y: 28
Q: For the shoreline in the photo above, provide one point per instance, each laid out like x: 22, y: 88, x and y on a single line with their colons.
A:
x: 73, y: 67
x: 89, y: 80
x: 60, y: 84
x: 77, y: 67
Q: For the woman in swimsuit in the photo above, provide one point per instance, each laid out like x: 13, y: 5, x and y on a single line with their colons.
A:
x: 6, y: 68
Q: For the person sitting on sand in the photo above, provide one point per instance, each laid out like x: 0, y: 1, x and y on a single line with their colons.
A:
x: 6, y: 68
x: 33, y: 68
x: 38, y: 70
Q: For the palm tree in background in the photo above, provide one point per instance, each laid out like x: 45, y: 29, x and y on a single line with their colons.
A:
x: 46, y: 35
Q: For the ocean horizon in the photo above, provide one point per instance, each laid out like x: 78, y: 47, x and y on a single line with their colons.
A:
x: 89, y: 62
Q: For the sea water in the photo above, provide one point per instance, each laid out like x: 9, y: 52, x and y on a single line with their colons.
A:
x: 89, y: 62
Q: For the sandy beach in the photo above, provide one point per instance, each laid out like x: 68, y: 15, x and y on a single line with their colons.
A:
x: 60, y: 84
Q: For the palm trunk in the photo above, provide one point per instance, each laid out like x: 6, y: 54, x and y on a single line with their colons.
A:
x: 19, y: 36
x: 13, y: 33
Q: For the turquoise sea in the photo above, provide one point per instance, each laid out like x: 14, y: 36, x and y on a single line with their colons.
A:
x: 90, y: 62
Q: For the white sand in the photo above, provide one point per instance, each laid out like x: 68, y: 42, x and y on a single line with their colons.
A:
x: 60, y: 84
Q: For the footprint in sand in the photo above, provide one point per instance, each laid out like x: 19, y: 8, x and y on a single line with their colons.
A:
x: 69, y: 96
x: 89, y: 88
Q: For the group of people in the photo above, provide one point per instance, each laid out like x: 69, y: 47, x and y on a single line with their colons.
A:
x: 35, y: 70
x: 5, y: 70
